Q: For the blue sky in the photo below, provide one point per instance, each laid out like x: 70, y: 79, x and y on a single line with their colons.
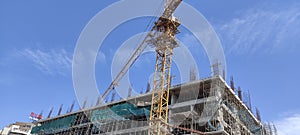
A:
x: 38, y: 38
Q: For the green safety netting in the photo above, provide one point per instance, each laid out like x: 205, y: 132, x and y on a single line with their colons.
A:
x: 245, y: 117
x: 55, y: 125
x: 35, y: 130
x: 115, y: 112
x: 119, y: 112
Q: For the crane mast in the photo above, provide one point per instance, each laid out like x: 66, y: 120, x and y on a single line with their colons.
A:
x: 163, y: 40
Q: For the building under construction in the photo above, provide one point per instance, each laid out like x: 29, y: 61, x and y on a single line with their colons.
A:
x: 206, y: 106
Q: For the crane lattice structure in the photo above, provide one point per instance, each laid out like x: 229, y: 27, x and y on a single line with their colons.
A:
x: 164, y: 42
x: 162, y: 38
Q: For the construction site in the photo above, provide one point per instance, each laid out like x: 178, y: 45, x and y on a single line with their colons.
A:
x: 207, y: 106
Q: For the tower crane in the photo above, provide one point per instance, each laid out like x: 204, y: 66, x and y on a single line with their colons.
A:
x: 164, y: 42
x: 162, y: 38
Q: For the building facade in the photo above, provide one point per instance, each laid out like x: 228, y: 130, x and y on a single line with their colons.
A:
x: 207, y: 106
x: 18, y: 128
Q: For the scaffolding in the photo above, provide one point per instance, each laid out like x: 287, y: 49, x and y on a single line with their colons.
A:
x: 57, y: 125
x: 122, y: 111
x: 207, y: 106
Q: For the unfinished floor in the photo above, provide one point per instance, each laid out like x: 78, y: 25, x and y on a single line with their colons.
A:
x: 209, y: 106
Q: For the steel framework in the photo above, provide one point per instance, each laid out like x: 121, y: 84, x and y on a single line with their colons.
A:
x: 164, y: 42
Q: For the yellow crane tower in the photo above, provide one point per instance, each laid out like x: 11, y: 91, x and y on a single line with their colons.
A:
x: 164, y: 42
x: 162, y: 38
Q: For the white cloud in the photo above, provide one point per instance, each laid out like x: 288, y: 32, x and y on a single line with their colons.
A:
x: 268, y: 29
x: 289, y: 125
x: 52, y: 62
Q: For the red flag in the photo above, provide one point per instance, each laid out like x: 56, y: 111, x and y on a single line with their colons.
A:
x: 32, y: 114
x: 39, y: 117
